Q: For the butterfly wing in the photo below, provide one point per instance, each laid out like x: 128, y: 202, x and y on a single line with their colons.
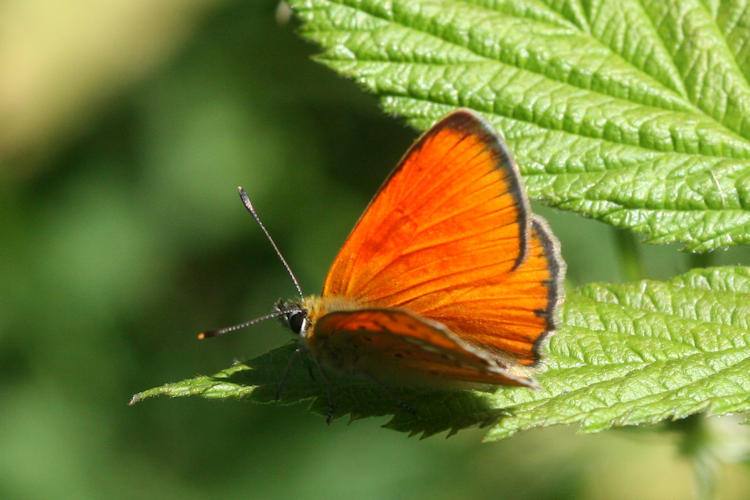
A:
x: 397, y: 346
x: 513, y: 314
x: 449, y: 236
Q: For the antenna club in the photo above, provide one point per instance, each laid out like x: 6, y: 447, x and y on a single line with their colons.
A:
x: 246, y: 201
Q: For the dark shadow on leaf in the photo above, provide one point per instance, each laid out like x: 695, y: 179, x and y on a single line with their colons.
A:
x: 258, y: 380
x: 436, y: 411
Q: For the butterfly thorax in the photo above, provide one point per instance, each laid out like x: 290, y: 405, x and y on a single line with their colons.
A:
x: 317, y: 307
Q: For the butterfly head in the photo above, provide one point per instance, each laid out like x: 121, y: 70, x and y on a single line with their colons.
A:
x: 293, y: 315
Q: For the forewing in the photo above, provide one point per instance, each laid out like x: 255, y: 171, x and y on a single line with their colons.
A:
x: 451, y: 213
x: 398, y: 346
x: 511, y: 314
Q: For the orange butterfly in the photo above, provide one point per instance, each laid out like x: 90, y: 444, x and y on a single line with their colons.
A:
x: 447, y: 279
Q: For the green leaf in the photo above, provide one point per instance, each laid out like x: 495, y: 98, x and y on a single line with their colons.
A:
x: 644, y: 352
x: 627, y: 354
x: 633, y: 112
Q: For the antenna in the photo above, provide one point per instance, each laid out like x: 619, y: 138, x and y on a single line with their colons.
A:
x: 246, y: 201
x: 229, y: 329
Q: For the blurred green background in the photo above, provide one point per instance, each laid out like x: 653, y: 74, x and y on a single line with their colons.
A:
x: 125, y: 127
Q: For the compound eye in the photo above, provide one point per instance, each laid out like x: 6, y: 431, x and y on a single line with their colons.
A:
x: 297, y: 322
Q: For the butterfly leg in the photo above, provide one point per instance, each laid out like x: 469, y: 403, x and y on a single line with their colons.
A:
x: 390, y: 393
x: 294, y: 355
x: 329, y: 393
x: 309, y: 368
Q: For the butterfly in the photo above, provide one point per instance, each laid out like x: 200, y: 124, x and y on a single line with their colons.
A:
x: 447, y: 280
